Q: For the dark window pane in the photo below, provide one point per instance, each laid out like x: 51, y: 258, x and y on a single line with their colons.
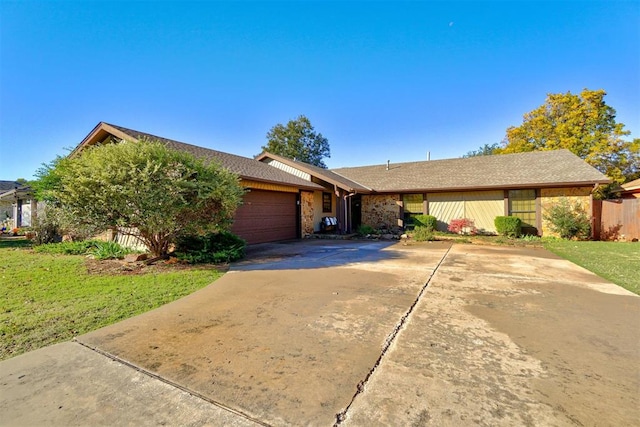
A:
x: 522, y: 203
x: 412, y: 203
x: 326, y: 202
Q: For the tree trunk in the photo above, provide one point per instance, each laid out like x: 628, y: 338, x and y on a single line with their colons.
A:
x: 158, y: 244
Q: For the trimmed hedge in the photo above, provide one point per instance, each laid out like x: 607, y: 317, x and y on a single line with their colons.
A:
x: 428, y: 221
x: 508, y: 225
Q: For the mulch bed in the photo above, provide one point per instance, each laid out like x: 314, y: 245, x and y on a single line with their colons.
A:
x: 119, y: 267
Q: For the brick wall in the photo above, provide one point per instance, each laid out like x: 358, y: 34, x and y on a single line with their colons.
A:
x: 381, y: 210
x: 306, y: 203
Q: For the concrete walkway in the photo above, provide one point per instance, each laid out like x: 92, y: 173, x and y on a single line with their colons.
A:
x: 358, y: 333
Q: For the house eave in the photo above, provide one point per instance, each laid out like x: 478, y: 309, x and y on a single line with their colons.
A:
x: 321, y: 176
x: 16, y: 194
x: 492, y: 187
x: 94, y: 137
x: 310, y: 187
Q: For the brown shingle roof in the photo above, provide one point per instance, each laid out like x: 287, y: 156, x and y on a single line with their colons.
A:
x: 533, y: 169
x: 245, y: 167
x: 324, y: 174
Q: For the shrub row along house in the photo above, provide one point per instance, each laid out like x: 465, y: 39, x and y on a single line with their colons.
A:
x: 287, y: 199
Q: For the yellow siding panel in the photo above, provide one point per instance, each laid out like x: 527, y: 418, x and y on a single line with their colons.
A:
x: 445, y: 207
x: 480, y: 206
x: 483, y: 207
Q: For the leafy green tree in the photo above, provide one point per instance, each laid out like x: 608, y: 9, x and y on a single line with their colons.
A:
x: 583, y: 124
x: 49, y: 178
x: 157, y: 193
x: 485, y: 150
x: 298, y: 140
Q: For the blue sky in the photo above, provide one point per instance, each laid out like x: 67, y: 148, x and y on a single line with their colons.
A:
x: 381, y: 80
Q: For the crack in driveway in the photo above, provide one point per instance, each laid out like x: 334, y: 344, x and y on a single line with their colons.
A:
x: 286, y: 343
x: 341, y: 416
x: 301, y: 346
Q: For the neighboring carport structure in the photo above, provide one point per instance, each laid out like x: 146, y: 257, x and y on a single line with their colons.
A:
x: 271, y: 207
x: 17, y: 205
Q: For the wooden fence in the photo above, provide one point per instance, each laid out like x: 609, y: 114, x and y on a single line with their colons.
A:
x: 127, y: 240
x: 617, y: 219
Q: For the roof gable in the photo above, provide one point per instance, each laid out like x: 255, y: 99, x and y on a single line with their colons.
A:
x: 533, y: 169
x: 318, y: 172
x: 246, y: 168
x: 520, y: 170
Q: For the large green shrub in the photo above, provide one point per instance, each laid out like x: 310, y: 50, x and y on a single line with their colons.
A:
x: 161, y: 192
x: 210, y: 248
x: 508, y: 225
x: 428, y: 221
x: 53, y: 222
x: 47, y: 226
x: 46, y: 232
x: 568, y: 220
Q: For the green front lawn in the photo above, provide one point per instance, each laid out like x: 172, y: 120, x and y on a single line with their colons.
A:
x: 618, y: 262
x: 45, y: 299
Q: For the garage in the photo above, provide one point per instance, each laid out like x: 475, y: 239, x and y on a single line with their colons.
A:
x: 267, y: 216
x: 480, y: 206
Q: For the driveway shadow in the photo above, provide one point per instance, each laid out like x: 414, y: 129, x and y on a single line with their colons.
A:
x: 308, y: 254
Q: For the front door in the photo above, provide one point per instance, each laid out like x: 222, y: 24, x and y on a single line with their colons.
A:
x: 356, y: 212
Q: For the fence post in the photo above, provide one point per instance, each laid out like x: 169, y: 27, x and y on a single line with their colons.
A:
x: 596, y: 219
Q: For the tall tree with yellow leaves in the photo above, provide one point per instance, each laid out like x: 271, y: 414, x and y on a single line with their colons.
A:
x: 583, y: 124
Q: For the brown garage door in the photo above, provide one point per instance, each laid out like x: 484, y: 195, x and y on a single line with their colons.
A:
x: 267, y: 216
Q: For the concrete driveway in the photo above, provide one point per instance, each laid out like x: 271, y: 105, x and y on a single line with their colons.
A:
x: 358, y: 333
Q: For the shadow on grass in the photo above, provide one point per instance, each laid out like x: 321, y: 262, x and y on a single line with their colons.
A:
x: 15, y: 242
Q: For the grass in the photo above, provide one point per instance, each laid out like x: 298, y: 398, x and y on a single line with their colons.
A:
x: 489, y: 239
x: 15, y: 243
x: 617, y: 262
x: 47, y: 298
